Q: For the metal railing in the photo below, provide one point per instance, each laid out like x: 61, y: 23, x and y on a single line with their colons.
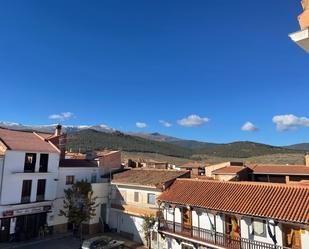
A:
x: 215, y: 238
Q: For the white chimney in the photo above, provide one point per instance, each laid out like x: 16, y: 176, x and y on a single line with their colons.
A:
x: 58, y: 130
x: 307, y: 160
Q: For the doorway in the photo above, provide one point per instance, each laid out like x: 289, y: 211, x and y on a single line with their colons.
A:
x: 186, y: 220
x: 232, y: 231
x: 27, y: 226
x: 291, y: 236
x: 4, y: 230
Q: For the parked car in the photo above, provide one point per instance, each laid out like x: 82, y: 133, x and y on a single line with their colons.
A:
x: 102, y: 242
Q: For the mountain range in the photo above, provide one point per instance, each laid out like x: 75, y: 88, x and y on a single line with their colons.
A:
x: 97, y: 137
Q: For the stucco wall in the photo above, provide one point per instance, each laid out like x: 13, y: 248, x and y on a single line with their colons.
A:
x: 13, y: 176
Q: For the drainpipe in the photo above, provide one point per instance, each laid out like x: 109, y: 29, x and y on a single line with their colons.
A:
x: 2, y: 176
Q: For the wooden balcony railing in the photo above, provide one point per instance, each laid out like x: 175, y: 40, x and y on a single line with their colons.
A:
x: 215, y: 238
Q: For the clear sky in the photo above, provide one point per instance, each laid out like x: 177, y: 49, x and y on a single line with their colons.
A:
x: 129, y: 64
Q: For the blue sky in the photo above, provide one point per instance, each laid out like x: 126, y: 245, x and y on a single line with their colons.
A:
x: 122, y: 62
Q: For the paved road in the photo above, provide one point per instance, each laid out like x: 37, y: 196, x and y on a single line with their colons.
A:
x: 64, y: 243
x: 67, y: 243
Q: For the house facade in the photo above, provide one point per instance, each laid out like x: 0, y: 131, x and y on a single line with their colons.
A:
x: 214, y: 214
x: 134, y: 194
x: 71, y: 171
x: 28, y: 169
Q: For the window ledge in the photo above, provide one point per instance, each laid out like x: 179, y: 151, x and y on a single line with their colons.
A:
x: 34, y: 173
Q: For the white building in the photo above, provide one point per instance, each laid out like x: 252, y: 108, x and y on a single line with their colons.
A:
x: 70, y: 171
x: 28, y: 173
x: 133, y: 195
x: 214, y: 214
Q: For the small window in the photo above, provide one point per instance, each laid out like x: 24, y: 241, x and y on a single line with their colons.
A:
x: 69, y: 180
x: 43, y: 163
x: 30, y: 160
x: 258, y: 227
x: 151, y: 199
x: 93, y: 178
x: 136, y: 196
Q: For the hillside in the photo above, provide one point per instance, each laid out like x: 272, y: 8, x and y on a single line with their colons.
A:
x: 244, y: 150
x: 89, y: 140
x: 301, y: 146
x: 194, y: 145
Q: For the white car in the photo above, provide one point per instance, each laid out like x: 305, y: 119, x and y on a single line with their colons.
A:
x: 102, y: 242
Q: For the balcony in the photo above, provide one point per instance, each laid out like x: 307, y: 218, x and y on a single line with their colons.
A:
x: 214, y: 238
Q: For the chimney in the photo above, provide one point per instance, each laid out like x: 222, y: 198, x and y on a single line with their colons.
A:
x: 58, y: 130
x: 307, y: 160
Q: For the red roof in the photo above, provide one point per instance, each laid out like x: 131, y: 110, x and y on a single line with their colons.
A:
x: 277, y: 201
x: 229, y: 170
x: 280, y: 169
x: 25, y: 141
x: 148, y: 177
x: 194, y: 165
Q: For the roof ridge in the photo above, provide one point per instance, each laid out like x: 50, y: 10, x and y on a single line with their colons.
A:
x: 282, y: 185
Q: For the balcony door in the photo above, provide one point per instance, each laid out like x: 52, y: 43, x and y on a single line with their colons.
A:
x: 291, y: 237
x: 187, y: 220
x: 232, y: 226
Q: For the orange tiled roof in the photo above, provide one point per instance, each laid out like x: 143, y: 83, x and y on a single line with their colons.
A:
x: 148, y: 177
x: 106, y: 153
x: 194, y: 165
x: 276, y: 201
x: 280, y: 169
x: 25, y: 141
x: 229, y: 170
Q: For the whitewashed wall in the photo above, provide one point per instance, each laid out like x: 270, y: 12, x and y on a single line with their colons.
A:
x: 13, y: 176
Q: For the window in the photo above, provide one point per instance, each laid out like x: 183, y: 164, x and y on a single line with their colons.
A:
x: 26, y: 191
x: 151, y: 199
x: 43, y: 163
x: 93, y: 178
x: 40, y: 192
x: 136, y: 196
x: 30, y: 160
x: 258, y: 227
x: 69, y: 180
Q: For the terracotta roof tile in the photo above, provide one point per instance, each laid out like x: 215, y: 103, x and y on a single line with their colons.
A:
x: 280, y: 169
x: 148, y: 177
x: 284, y: 202
x: 194, y: 165
x: 106, y: 153
x: 25, y: 141
x: 228, y: 170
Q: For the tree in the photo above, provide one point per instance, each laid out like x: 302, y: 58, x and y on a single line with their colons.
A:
x: 148, y: 223
x: 79, y: 204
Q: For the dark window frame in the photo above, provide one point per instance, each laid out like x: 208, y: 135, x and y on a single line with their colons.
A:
x: 41, y: 190
x: 44, y: 158
x: 69, y: 179
x: 30, y: 166
x: 26, y: 191
x: 153, y: 196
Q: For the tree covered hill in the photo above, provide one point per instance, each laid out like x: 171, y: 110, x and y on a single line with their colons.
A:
x: 90, y: 140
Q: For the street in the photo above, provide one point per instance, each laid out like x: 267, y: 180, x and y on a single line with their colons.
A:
x: 67, y: 242
x: 62, y: 243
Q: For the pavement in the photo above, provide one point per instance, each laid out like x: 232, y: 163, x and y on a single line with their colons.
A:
x: 63, y: 241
